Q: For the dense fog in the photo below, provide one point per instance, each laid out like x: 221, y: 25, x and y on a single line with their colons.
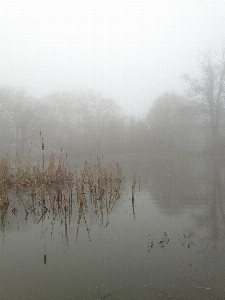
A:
x: 112, y: 77
x: 86, y: 122
x: 112, y: 138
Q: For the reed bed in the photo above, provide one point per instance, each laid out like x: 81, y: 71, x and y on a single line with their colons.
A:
x: 99, y: 179
x: 24, y: 175
x: 50, y: 185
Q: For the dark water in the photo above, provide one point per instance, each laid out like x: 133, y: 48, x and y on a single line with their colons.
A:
x: 166, y: 244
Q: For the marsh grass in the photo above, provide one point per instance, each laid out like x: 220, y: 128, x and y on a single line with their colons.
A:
x: 99, y: 179
x: 3, y: 185
x: 50, y: 187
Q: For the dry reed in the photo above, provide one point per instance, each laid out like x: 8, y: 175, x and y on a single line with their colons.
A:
x: 51, y: 188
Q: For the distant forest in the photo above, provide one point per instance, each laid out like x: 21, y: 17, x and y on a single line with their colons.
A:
x: 85, y: 122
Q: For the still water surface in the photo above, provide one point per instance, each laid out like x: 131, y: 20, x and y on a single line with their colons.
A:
x: 168, y: 243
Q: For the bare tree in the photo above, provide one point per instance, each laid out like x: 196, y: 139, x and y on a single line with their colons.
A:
x: 170, y: 124
x: 83, y: 120
x: 209, y: 92
x: 20, y: 118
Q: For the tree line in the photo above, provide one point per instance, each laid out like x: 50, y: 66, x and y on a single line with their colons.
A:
x: 86, y: 122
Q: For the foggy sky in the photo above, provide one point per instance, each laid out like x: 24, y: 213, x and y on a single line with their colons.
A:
x: 130, y: 51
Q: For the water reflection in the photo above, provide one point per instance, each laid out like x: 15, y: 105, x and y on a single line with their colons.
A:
x: 165, y: 238
x: 214, y: 218
x: 90, y: 195
x: 197, y: 182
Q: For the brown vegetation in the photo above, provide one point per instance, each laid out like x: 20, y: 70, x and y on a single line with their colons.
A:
x: 52, y: 187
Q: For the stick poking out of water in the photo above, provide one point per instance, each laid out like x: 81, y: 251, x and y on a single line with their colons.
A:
x: 133, y: 188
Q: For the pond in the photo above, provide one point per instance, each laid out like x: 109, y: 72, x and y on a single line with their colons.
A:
x: 159, y: 236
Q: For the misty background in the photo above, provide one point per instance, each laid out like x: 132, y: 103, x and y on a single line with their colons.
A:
x: 106, y: 76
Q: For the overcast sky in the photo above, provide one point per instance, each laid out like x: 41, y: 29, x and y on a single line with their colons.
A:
x: 130, y: 51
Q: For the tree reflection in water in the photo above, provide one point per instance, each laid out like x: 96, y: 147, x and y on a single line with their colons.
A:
x: 192, y: 182
x: 165, y: 250
x: 216, y: 219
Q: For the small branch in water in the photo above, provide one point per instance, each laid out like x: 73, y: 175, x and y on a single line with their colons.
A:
x: 201, y: 287
x: 133, y: 188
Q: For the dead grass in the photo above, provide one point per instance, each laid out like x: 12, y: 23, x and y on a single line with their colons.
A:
x: 56, y: 183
